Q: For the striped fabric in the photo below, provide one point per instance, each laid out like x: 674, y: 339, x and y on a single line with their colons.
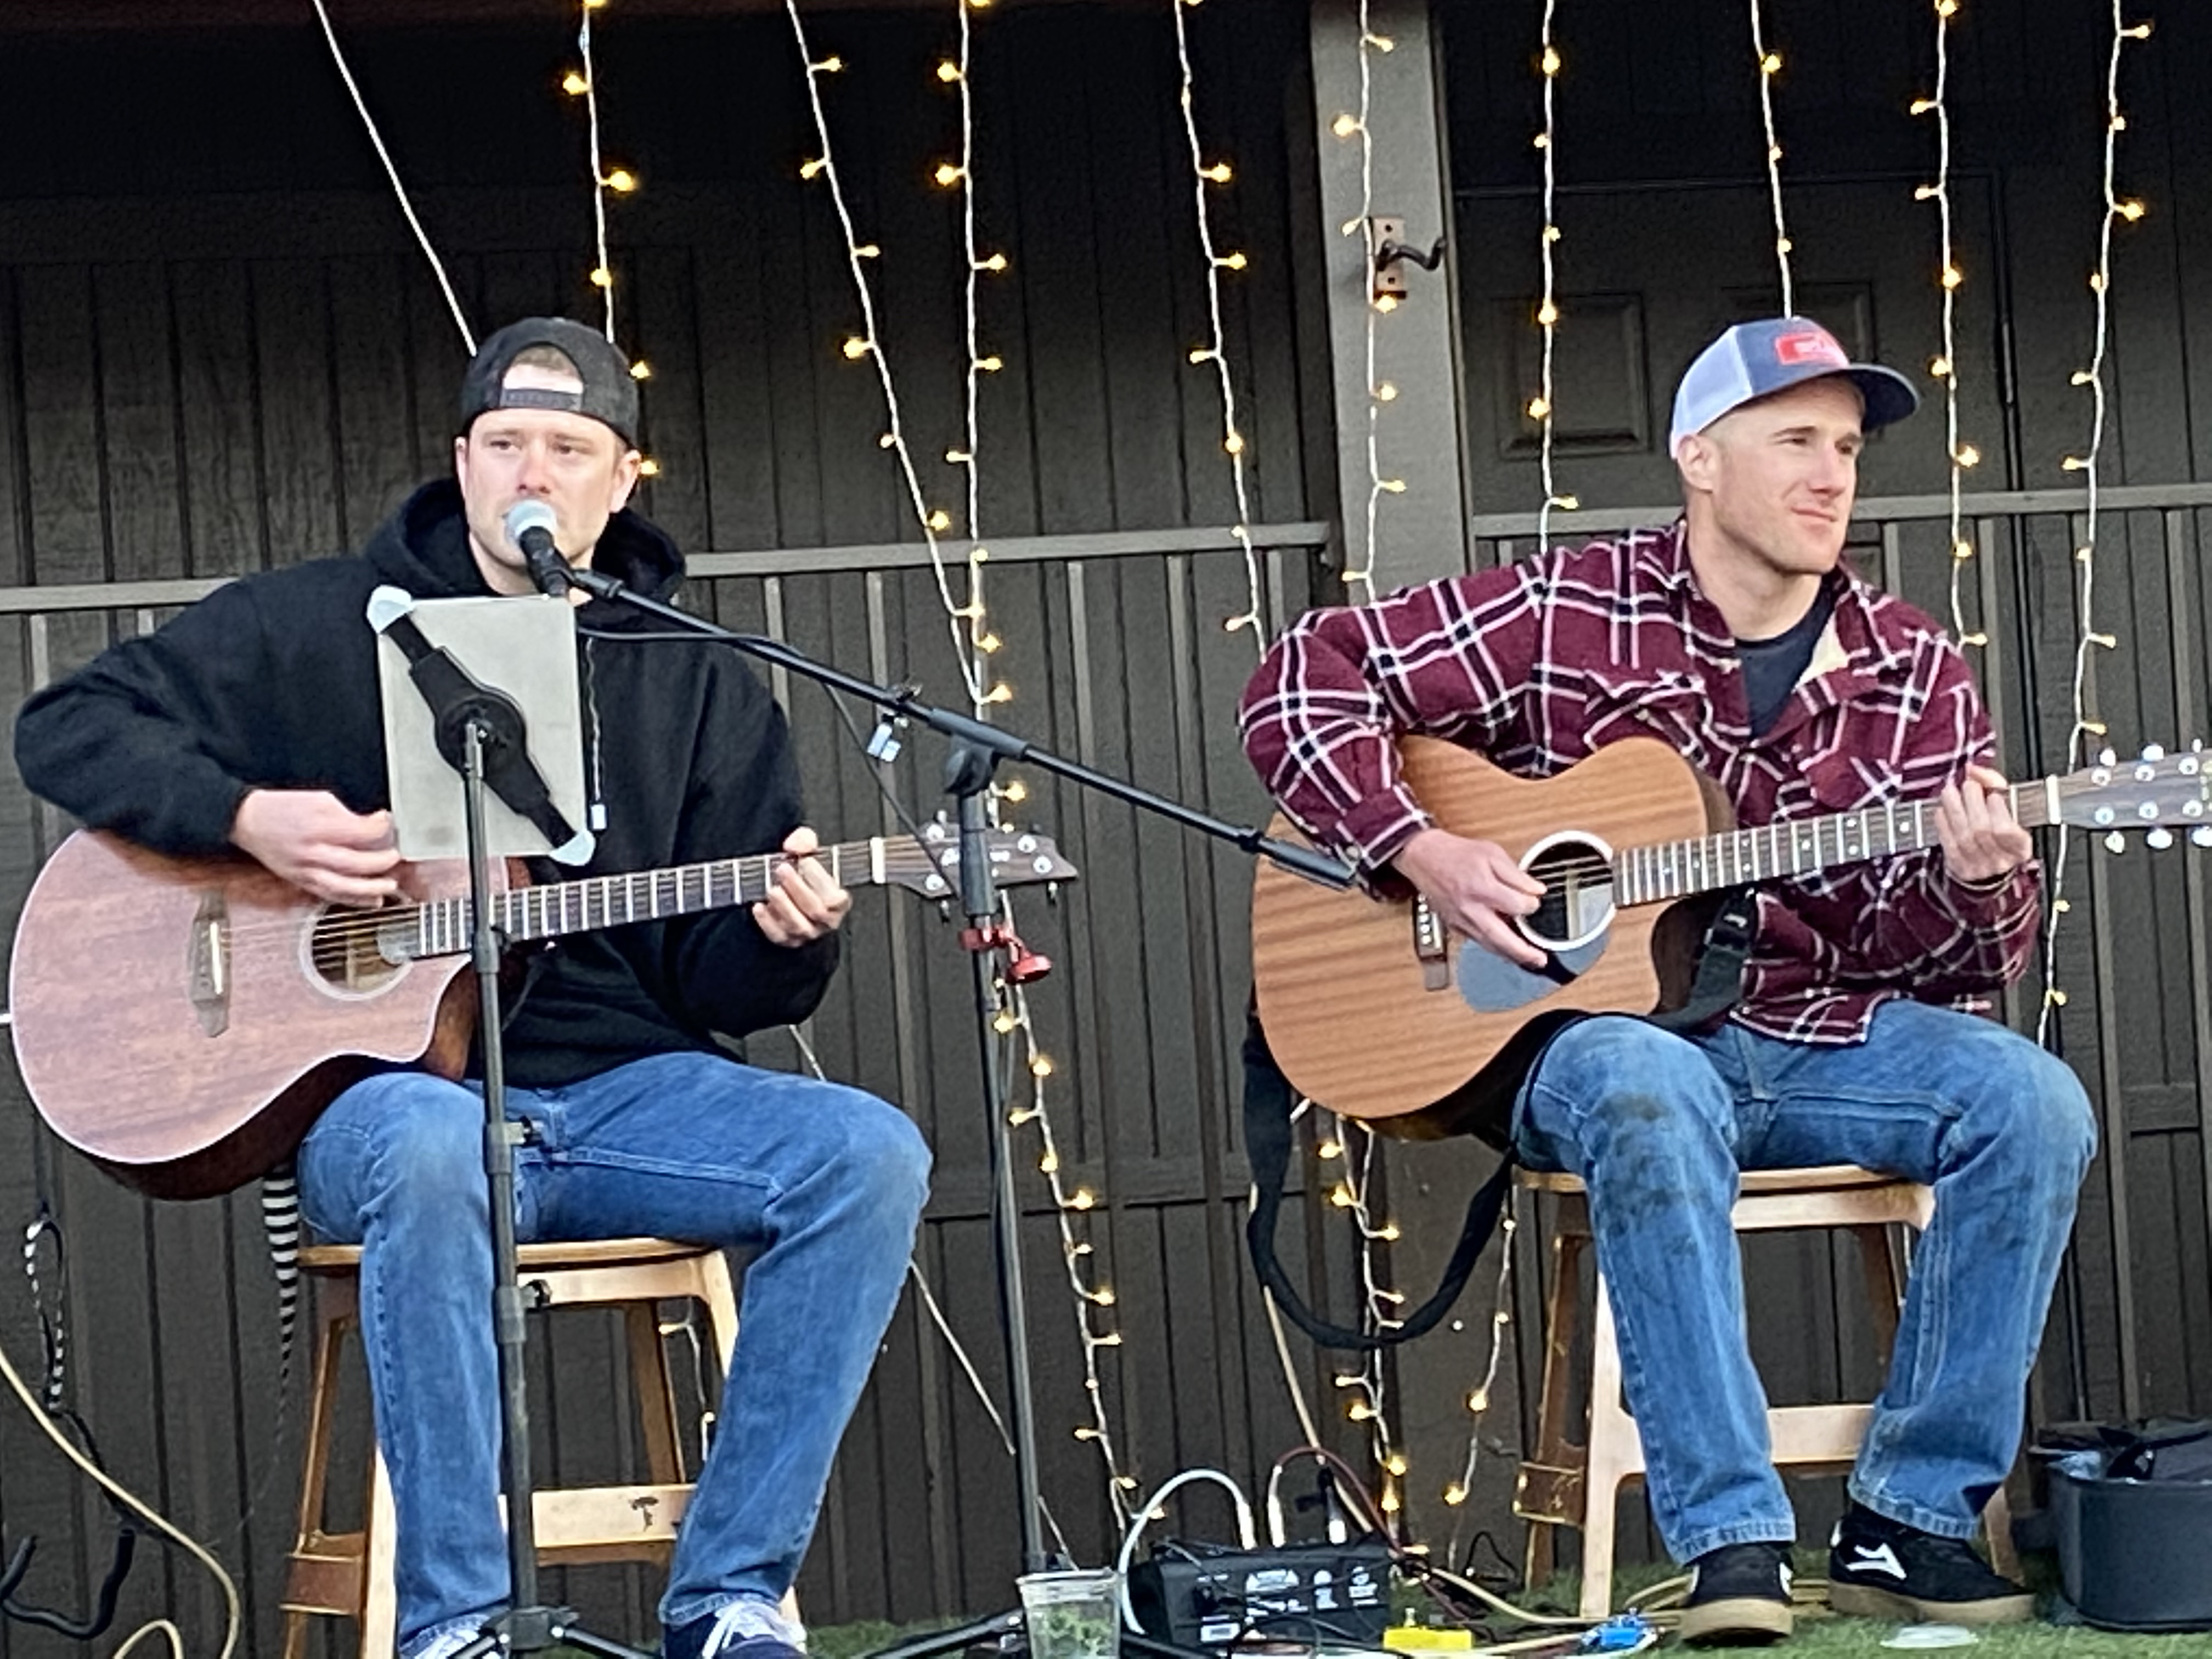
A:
x: 1538, y: 664
x: 281, y: 1226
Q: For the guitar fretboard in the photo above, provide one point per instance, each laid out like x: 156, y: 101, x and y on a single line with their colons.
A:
x: 1675, y: 869
x: 443, y: 927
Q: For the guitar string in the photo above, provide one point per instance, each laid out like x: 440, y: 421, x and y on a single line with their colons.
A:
x: 353, y: 927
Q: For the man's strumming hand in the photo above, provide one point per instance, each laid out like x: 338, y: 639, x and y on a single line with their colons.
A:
x: 316, y: 842
x: 1476, y: 887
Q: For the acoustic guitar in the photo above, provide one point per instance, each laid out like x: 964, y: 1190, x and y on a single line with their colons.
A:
x: 184, y: 1020
x: 1375, y: 1010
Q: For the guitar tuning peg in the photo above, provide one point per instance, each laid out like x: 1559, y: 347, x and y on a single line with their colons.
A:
x: 2152, y: 751
x: 2200, y: 836
x: 2159, y: 839
x: 2116, y: 842
x: 2107, y: 757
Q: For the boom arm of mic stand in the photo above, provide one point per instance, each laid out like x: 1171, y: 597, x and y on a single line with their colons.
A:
x: 1307, y: 861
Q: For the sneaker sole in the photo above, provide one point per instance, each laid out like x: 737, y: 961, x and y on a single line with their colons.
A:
x: 1741, y: 1621
x: 1865, y: 1601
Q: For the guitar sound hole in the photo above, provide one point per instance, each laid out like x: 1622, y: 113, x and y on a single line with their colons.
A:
x: 344, y: 952
x: 1577, y: 902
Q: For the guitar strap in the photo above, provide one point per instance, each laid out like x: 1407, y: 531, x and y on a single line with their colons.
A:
x: 456, y: 696
x: 1269, y: 1102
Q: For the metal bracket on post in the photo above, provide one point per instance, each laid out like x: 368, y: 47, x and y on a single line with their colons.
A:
x: 1391, y: 253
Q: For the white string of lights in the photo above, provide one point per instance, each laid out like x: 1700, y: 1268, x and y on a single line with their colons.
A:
x: 391, y: 172
x: 1092, y: 1296
x: 1216, y: 350
x: 1548, y: 65
x: 981, y: 641
x: 585, y: 83
x: 1360, y: 570
x: 1367, y: 1399
x: 1769, y: 65
x: 1478, y: 1400
x: 974, y: 643
x: 867, y: 345
x: 1948, y: 276
x: 2116, y: 209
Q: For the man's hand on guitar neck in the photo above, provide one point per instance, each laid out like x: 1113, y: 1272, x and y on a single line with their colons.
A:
x: 315, y: 842
x: 1476, y: 887
x: 1983, y: 842
x: 806, y: 901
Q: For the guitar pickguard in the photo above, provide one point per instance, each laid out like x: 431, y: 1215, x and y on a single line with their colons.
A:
x: 1492, y: 984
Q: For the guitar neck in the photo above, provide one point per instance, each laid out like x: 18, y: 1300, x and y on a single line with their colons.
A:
x: 443, y: 925
x: 1676, y: 869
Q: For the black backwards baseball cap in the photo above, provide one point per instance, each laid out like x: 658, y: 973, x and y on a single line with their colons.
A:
x: 1752, y: 359
x: 609, y: 395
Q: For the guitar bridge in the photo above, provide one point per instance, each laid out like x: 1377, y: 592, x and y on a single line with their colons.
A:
x: 1432, y: 946
x: 207, y: 964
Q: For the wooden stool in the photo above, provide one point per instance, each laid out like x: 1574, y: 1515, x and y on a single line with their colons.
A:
x: 349, y: 1574
x: 1566, y: 1485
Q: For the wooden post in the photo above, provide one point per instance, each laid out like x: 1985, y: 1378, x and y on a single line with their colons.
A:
x: 1420, y: 532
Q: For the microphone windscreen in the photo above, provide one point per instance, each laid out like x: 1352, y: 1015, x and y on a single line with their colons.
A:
x: 524, y: 516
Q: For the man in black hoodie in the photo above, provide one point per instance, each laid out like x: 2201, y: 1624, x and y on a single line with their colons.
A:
x: 251, y: 721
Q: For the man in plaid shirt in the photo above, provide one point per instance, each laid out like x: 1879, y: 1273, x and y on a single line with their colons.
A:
x: 1739, y: 638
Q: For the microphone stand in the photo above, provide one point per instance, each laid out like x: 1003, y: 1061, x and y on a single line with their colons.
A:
x: 977, y: 749
x: 529, y: 1625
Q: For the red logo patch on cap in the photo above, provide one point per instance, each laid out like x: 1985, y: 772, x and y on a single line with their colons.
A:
x: 1809, y: 345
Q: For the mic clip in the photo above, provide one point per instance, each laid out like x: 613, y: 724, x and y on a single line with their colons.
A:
x: 885, y: 741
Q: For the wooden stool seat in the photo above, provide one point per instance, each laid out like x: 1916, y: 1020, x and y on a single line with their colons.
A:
x: 1564, y: 1484
x: 350, y: 1574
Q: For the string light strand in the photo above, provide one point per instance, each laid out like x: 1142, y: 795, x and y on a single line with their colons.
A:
x: 868, y: 345
x: 1012, y: 1020
x: 2085, y: 726
x: 1092, y: 1295
x: 1478, y: 1402
x: 1548, y: 65
x: 1366, y: 1389
x: 603, y: 270
x: 1949, y: 277
x: 1359, y: 571
x: 1216, y: 351
x: 391, y: 172
x: 1769, y: 65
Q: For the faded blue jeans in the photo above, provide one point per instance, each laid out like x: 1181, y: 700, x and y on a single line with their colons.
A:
x: 1658, y: 1125
x: 826, y: 1181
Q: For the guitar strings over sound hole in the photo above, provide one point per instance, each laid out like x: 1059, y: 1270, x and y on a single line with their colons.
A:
x: 1577, y: 906
x: 343, y: 949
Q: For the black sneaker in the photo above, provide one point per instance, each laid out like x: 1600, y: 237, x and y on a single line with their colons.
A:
x: 746, y: 1629
x: 1739, y: 1596
x: 1882, y: 1569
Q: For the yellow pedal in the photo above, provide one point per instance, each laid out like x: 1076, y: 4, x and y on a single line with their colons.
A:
x: 1420, y: 1638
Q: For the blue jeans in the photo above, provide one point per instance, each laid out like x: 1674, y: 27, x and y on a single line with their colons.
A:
x: 826, y: 1181
x: 1658, y: 1125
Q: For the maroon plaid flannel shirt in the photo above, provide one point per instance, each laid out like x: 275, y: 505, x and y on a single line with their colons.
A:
x: 1538, y: 664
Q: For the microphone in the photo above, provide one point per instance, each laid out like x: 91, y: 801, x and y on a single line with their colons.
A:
x: 528, y: 526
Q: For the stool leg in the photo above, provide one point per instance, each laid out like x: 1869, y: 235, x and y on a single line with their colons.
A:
x: 1997, y: 1521
x: 315, y: 1451
x: 1613, y: 1453
x: 1885, y: 1285
x: 1553, y: 1448
x: 380, y: 1612
x: 656, y: 1392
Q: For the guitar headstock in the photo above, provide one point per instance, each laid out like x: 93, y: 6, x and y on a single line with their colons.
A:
x: 2164, y: 795
x: 931, y: 865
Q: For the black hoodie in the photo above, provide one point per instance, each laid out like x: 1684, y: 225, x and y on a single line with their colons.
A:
x: 271, y: 683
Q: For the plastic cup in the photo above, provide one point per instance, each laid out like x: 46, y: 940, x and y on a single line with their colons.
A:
x: 1073, y: 1615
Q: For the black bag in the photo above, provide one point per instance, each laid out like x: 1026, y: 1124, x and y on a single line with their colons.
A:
x: 2133, y: 1516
